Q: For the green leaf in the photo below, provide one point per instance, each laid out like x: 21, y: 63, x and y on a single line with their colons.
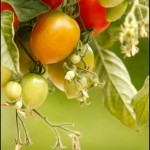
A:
x: 140, y: 105
x: 28, y: 9
x: 118, y: 90
x: 9, y: 51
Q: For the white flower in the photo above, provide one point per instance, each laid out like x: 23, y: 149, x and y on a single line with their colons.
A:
x: 85, y: 94
x: 18, y: 104
x: 134, y: 50
x: 18, y: 146
x: 143, y: 31
x: 70, y: 75
x: 75, y: 58
x: 21, y: 113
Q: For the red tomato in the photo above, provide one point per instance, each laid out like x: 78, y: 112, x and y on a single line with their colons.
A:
x: 93, y: 15
x: 52, y: 3
x: 7, y: 6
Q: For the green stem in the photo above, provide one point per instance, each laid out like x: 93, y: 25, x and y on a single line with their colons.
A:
x: 82, y: 24
x: 142, y: 6
x: 52, y: 125
x: 17, y: 125
x: 18, y: 39
x: 25, y: 130
x: 37, y: 67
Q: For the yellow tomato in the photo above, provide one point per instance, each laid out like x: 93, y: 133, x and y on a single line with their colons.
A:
x: 54, y: 37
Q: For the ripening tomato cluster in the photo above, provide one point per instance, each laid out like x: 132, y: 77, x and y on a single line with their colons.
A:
x: 55, y: 42
x: 29, y: 94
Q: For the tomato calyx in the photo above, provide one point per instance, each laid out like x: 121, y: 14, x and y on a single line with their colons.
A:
x: 71, y: 8
x: 86, y: 36
x: 37, y: 68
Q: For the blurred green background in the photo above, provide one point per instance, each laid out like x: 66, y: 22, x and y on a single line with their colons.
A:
x: 100, y: 130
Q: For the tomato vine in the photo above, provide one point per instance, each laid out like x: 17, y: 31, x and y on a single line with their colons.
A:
x: 61, y: 46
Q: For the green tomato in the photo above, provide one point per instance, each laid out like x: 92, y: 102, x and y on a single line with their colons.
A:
x: 34, y: 90
x: 6, y: 74
x: 110, y: 3
x: 12, y: 91
x: 114, y: 13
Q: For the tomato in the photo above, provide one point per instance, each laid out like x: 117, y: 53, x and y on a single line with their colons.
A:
x: 6, y: 74
x: 12, y: 91
x: 34, y: 90
x: 93, y: 15
x: 54, y: 37
x: 110, y: 3
x: 7, y: 6
x: 57, y: 73
x: 52, y: 3
x: 111, y: 14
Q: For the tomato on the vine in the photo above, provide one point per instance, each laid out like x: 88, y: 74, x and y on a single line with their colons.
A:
x: 12, y: 91
x: 110, y: 3
x: 93, y: 15
x: 6, y: 6
x: 6, y: 74
x: 54, y: 37
x: 34, y: 90
x: 52, y: 3
x: 57, y: 73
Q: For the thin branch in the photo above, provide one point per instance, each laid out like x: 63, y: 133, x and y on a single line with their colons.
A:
x: 52, y: 125
x: 28, y: 141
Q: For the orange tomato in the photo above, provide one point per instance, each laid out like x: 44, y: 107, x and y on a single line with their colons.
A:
x: 54, y: 37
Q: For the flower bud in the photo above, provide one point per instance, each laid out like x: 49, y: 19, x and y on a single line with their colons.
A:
x: 18, y: 104
x: 70, y: 75
x: 75, y: 58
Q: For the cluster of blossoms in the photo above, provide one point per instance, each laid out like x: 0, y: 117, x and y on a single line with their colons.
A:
x: 79, y: 75
x: 129, y: 38
x: 133, y: 28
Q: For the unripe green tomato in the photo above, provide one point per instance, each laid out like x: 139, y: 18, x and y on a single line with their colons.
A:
x: 111, y: 14
x: 110, y: 3
x: 6, y: 74
x: 12, y: 91
x: 34, y: 90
